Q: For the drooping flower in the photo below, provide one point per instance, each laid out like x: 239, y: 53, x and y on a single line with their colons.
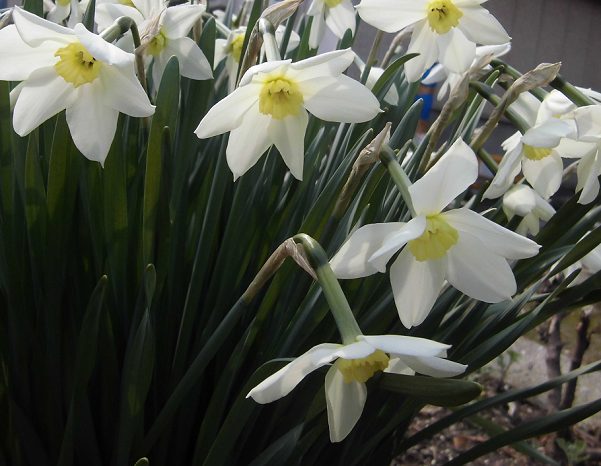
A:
x: 165, y: 33
x: 353, y: 365
x: 337, y: 15
x: 459, y: 245
x: 270, y: 108
x: 69, y: 69
x: 446, y: 31
x: 523, y: 201
x: 230, y: 50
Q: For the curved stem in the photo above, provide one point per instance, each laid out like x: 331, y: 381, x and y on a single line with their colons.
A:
x: 398, y: 175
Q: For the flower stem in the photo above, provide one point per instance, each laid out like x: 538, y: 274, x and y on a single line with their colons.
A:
x: 398, y: 175
x: 267, y: 30
x: 371, y: 58
x: 339, y: 306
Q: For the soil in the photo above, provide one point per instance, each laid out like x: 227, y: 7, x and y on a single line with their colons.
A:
x: 460, y: 437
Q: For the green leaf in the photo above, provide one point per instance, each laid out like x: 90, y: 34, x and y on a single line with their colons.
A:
x: 385, y: 81
x: 88, y: 16
x: 166, y: 115
x: 434, y: 391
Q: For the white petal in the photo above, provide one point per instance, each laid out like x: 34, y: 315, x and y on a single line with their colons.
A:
x: 340, y: 18
x: 392, y: 15
x: 395, y: 241
x: 544, y: 175
x: 258, y: 73
x: 330, y: 64
x: 315, y: 8
x: 548, y: 134
x: 107, y: 13
x: 437, y: 74
x: 509, y: 168
x: 35, y: 30
x: 554, y: 105
x: 572, y: 149
x: 588, y: 122
x: 423, y: 41
x: 283, y: 381
x: 42, y: 96
x: 59, y: 13
x: 588, y: 170
x: 351, y: 260
x: 456, y: 52
x: 498, y: 240
x: 346, y: 101
x: 397, y: 366
x: 478, y: 272
x: 92, y: 124
x: 228, y: 113
x: 357, y: 350
x: 406, y: 346
x: 456, y: 170
x: 192, y: 62
x: 519, y: 200
x: 123, y: 92
x: 344, y: 402
x: 248, y: 142
x: 18, y: 59
x: 101, y: 49
x: 416, y: 286
x: 288, y: 135
x: 178, y: 20
x: 481, y: 27
x: 220, y: 51
x: 434, y: 367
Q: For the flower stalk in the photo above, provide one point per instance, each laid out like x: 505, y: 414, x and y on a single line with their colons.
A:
x: 398, y: 175
x: 339, y: 306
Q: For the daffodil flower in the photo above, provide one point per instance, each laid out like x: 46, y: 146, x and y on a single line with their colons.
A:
x: 538, y: 152
x: 588, y: 124
x: 230, y: 50
x: 337, y: 15
x: 353, y: 365
x: 270, y: 108
x: 69, y: 69
x: 165, y: 34
x: 446, y: 31
x: 459, y: 245
x: 523, y: 201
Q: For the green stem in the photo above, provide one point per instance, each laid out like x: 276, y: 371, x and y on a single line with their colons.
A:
x: 398, y: 175
x: 343, y: 315
x: 371, y: 58
x: 571, y: 92
x: 272, y: 52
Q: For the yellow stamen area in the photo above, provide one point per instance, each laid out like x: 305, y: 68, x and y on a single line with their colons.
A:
x: 76, y: 64
x: 332, y: 3
x: 361, y: 370
x: 536, y: 153
x: 63, y: 2
x: 443, y: 15
x: 280, y: 97
x: 127, y: 3
x: 235, y: 47
x: 157, y: 44
x: 435, y: 241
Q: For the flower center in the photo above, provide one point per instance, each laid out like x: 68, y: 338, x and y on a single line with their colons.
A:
x: 63, y: 2
x: 435, y: 241
x: 536, y: 153
x: 280, y: 98
x: 76, y: 64
x: 127, y: 3
x: 332, y: 3
x: 443, y: 15
x: 235, y: 48
x: 156, y: 44
x: 361, y: 370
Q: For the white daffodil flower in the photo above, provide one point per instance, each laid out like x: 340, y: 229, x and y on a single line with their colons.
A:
x: 438, y: 73
x: 337, y: 15
x: 165, y: 32
x: 460, y: 246
x: 588, y: 124
x: 523, y: 201
x: 354, y: 364
x: 230, y: 50
x: 69, y: 69
x: 538, y: 152
x: 270, y: 108
x: 446, y: 31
